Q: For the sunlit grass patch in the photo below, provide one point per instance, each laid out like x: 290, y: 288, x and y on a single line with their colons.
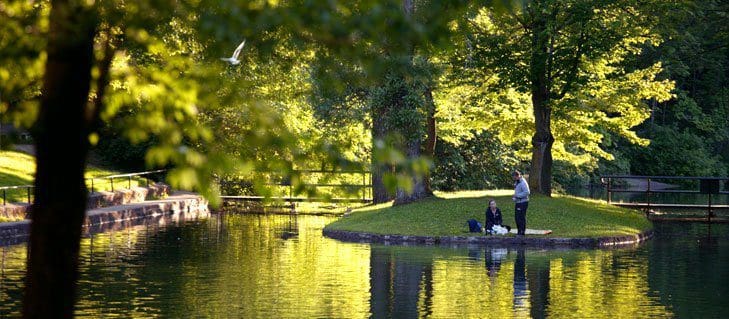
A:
x: 446, y: 215
x: 17, y: 168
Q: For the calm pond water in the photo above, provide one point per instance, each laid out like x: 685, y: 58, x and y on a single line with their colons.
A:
x: 250, y: 266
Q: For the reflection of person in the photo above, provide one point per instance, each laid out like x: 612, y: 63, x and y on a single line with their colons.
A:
x: 521, y: 202
x: 493, y: 259
x: 521, y: 293
x: 493, y: 216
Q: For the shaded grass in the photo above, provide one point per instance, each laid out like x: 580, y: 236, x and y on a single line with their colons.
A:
x: 446, y: 215
x: 17, y: 168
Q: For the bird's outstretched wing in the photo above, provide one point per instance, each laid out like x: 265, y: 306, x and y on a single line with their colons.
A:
x: 236, y: 53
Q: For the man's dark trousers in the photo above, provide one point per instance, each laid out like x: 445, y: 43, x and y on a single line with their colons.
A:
x: 520, y: 216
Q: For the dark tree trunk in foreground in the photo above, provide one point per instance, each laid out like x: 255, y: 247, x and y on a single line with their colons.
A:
x: 540, y: 177
x: 61, y: 149
x: 431, y: 138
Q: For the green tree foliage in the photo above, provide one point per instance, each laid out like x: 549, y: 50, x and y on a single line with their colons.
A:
x: 676, y: 153
x: 392, y: 98
x: 479, y: 162
x: 570, y: 57
x: 696, y: 56
x: 23, y: 28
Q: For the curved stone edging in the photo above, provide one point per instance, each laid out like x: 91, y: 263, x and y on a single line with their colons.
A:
x: 542, y: 242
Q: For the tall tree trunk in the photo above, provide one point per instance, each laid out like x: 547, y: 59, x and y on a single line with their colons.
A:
x: 431, y: 138
x: 379, y: 132
x: 402, y: 196
x: 413, y: 142
x: 540, y: 176
x: 61, y: 149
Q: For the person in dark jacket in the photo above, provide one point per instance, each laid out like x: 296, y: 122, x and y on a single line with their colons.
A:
x: 493, y: 216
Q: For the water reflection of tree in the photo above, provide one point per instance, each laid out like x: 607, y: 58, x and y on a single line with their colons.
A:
x: 538, y: 278
x: 425, y: 282
x: 399, y: 288
x: 12, y: 272
x: 687, y: 268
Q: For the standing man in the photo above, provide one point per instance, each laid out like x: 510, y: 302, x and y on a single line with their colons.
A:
x: 521, y: 202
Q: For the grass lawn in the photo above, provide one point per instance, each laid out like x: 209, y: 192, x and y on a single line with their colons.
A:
x: 17, y: 168
x: 446, y: 215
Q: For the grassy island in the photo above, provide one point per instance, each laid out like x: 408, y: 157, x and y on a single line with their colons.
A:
x: 446, y: 215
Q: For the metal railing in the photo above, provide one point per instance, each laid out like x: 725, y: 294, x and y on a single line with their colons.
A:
x: 110, y: 178
x: 710, y: 186
x: 6, y: 188
x: 129, y: 178
x: 364, y: 186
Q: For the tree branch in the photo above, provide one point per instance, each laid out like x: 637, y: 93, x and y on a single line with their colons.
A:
x: 574, y: 67
x: 94, y: 108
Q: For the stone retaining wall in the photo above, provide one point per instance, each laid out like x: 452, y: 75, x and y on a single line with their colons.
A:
x: 12, y: 233
x: 179, y: 206
x: 127, y: 196
x: 97, y: 200
x: 116, y: 214
x: 541, y: 242
x: 14, y: 211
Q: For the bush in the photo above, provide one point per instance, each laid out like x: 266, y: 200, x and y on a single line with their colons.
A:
x: 235, y: 186
x: 116, y: 151
x: 674, y: 153
x: 482, y: 162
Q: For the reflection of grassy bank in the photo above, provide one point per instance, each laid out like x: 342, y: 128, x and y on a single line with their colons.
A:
x: 446, y: 215
x: 304, y: 208
x: 328, y: 208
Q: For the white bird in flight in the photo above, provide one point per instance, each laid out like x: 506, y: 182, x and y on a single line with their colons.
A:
x: 233, y: 60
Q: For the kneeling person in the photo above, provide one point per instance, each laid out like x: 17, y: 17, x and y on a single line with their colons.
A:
x: 493, y: 217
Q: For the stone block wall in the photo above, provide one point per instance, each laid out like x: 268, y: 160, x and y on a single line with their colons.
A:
x: 127, y: 196
x: 97, y: 200
x: 14, y: 211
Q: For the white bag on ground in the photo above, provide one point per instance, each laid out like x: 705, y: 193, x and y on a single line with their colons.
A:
x: 498, y: 230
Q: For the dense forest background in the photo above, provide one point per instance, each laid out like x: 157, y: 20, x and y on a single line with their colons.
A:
x: 318, y: 102
x: 688, y: 134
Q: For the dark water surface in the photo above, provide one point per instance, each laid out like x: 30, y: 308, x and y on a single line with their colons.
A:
x: 244, y: 266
